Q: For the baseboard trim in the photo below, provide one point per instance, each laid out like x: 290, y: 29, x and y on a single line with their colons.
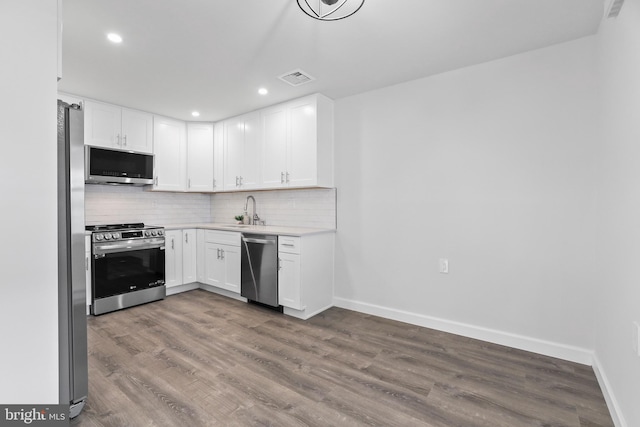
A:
x: 534, y: 345
x: 612, y: 403
x: 182, y: 288
x: 222, y: 292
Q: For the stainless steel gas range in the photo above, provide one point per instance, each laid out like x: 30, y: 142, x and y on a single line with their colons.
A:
x: 127, y: 266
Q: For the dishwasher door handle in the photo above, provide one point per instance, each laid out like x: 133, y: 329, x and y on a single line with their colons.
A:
x: 261, y: 241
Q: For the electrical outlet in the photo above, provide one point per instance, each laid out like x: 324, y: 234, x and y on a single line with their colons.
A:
x: 636, y: 338
x: 443, y: 265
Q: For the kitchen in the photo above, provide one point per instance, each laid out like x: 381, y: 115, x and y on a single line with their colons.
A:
x: 502, y: 165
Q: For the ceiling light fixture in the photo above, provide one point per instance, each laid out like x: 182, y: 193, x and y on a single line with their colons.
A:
x: 263, y: 91
x: 330, y: 10
x: 115, y: 38
x: 195, y: 114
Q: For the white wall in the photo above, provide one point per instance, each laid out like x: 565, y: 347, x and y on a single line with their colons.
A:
x: 492, y: 167
x: 28, y: 255
x: 619, y: 225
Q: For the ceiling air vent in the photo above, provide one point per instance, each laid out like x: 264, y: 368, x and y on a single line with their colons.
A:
x: 296, y: 77
x: 614, y: 8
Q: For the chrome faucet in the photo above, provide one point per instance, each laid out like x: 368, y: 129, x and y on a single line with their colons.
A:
x: 255, y: 219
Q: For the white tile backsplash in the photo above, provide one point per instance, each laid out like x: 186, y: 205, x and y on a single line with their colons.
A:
x: 295, y: 208
x: 114, y: 204
x: 111, y: 204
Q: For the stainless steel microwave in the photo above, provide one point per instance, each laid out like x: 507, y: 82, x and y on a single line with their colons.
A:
x: 107, y: 166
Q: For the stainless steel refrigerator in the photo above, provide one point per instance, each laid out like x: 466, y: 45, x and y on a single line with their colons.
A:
x: 71, y: 259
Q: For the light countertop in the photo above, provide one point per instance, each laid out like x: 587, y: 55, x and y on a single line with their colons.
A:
x: 261, y: 229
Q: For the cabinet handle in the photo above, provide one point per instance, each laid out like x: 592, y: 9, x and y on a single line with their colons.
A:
x: 287, y: 177
x: 279, y: 264
x: 221, y: 253
x: 124, y: 138
x: 119, y: 140
x: 240, y: 181
x: 287, y: 244
x: 214, y: 183
x: 186, y: 237
x: 189, y: 184
x: 172, y: 243
x: 218, y: 253
x: 236, y: 181
x: 155, y: 181
x: 281, y: 177
x: 86, y: 263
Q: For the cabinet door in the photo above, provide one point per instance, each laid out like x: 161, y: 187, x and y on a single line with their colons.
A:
x: 214, y: 265
x: 233, y: 152
x: 231, y: 256
x: 170, y: 150
x: 250, y: 172
x: 173, y: 258
x: 289, y: 293
x: 199, y: 157
x: 274, y: 147
x: 102, y: 124
x: 189, y: 256
x: 302, y: 147
x: 137, y: 131
x: 200, y: 257
x: 218, y: 157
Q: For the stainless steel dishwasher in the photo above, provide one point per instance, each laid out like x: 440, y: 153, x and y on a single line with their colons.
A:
x: 259, y: 277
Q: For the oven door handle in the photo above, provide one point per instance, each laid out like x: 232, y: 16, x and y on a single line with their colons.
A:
x: 124, y: 247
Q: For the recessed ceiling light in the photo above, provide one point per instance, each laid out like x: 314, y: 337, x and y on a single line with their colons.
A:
x: 263, y: 91
x: 115, y: 38
x: 195, y: 114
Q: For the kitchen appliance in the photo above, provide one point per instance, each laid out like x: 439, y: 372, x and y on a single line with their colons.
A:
x: 108, y: 166
x: 259, y: 269
x: 72, y: 322
x: 127, y: 266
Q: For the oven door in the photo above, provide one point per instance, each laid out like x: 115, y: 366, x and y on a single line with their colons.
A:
x: 127, y: 266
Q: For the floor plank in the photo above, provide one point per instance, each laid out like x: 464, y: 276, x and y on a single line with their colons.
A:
x: 200, y: 359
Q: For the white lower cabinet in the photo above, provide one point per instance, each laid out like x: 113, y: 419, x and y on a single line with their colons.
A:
x: 173, y: 258
x: 222, y: 260
x: 289, y: 281
x: 180, y: 258
x: 189, y: 255
x: 305, y: 275
x: 213, y: 258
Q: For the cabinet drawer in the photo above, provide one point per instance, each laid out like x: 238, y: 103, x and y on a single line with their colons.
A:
x: 289, y: 244
x: 222, y: 237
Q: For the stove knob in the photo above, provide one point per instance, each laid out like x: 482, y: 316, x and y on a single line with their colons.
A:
x: 107, y: 236
x: 115, y: 235
x: 154, y: 233
x: 99, y: 237
x: 160, y: 232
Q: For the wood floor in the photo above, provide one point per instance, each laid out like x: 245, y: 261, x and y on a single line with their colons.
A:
x: 199, y: 359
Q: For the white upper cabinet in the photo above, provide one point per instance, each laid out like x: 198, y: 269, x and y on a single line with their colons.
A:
x: 218, y: 157
x: 170, y: 154
x: 298, y: 143
x: 274, y: 153
x: 111, y: 126
x: 242, y: 151
x: 137, y: 131
x: 200, y: 166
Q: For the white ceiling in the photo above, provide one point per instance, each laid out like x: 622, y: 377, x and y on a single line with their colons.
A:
x: 212, y: 55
